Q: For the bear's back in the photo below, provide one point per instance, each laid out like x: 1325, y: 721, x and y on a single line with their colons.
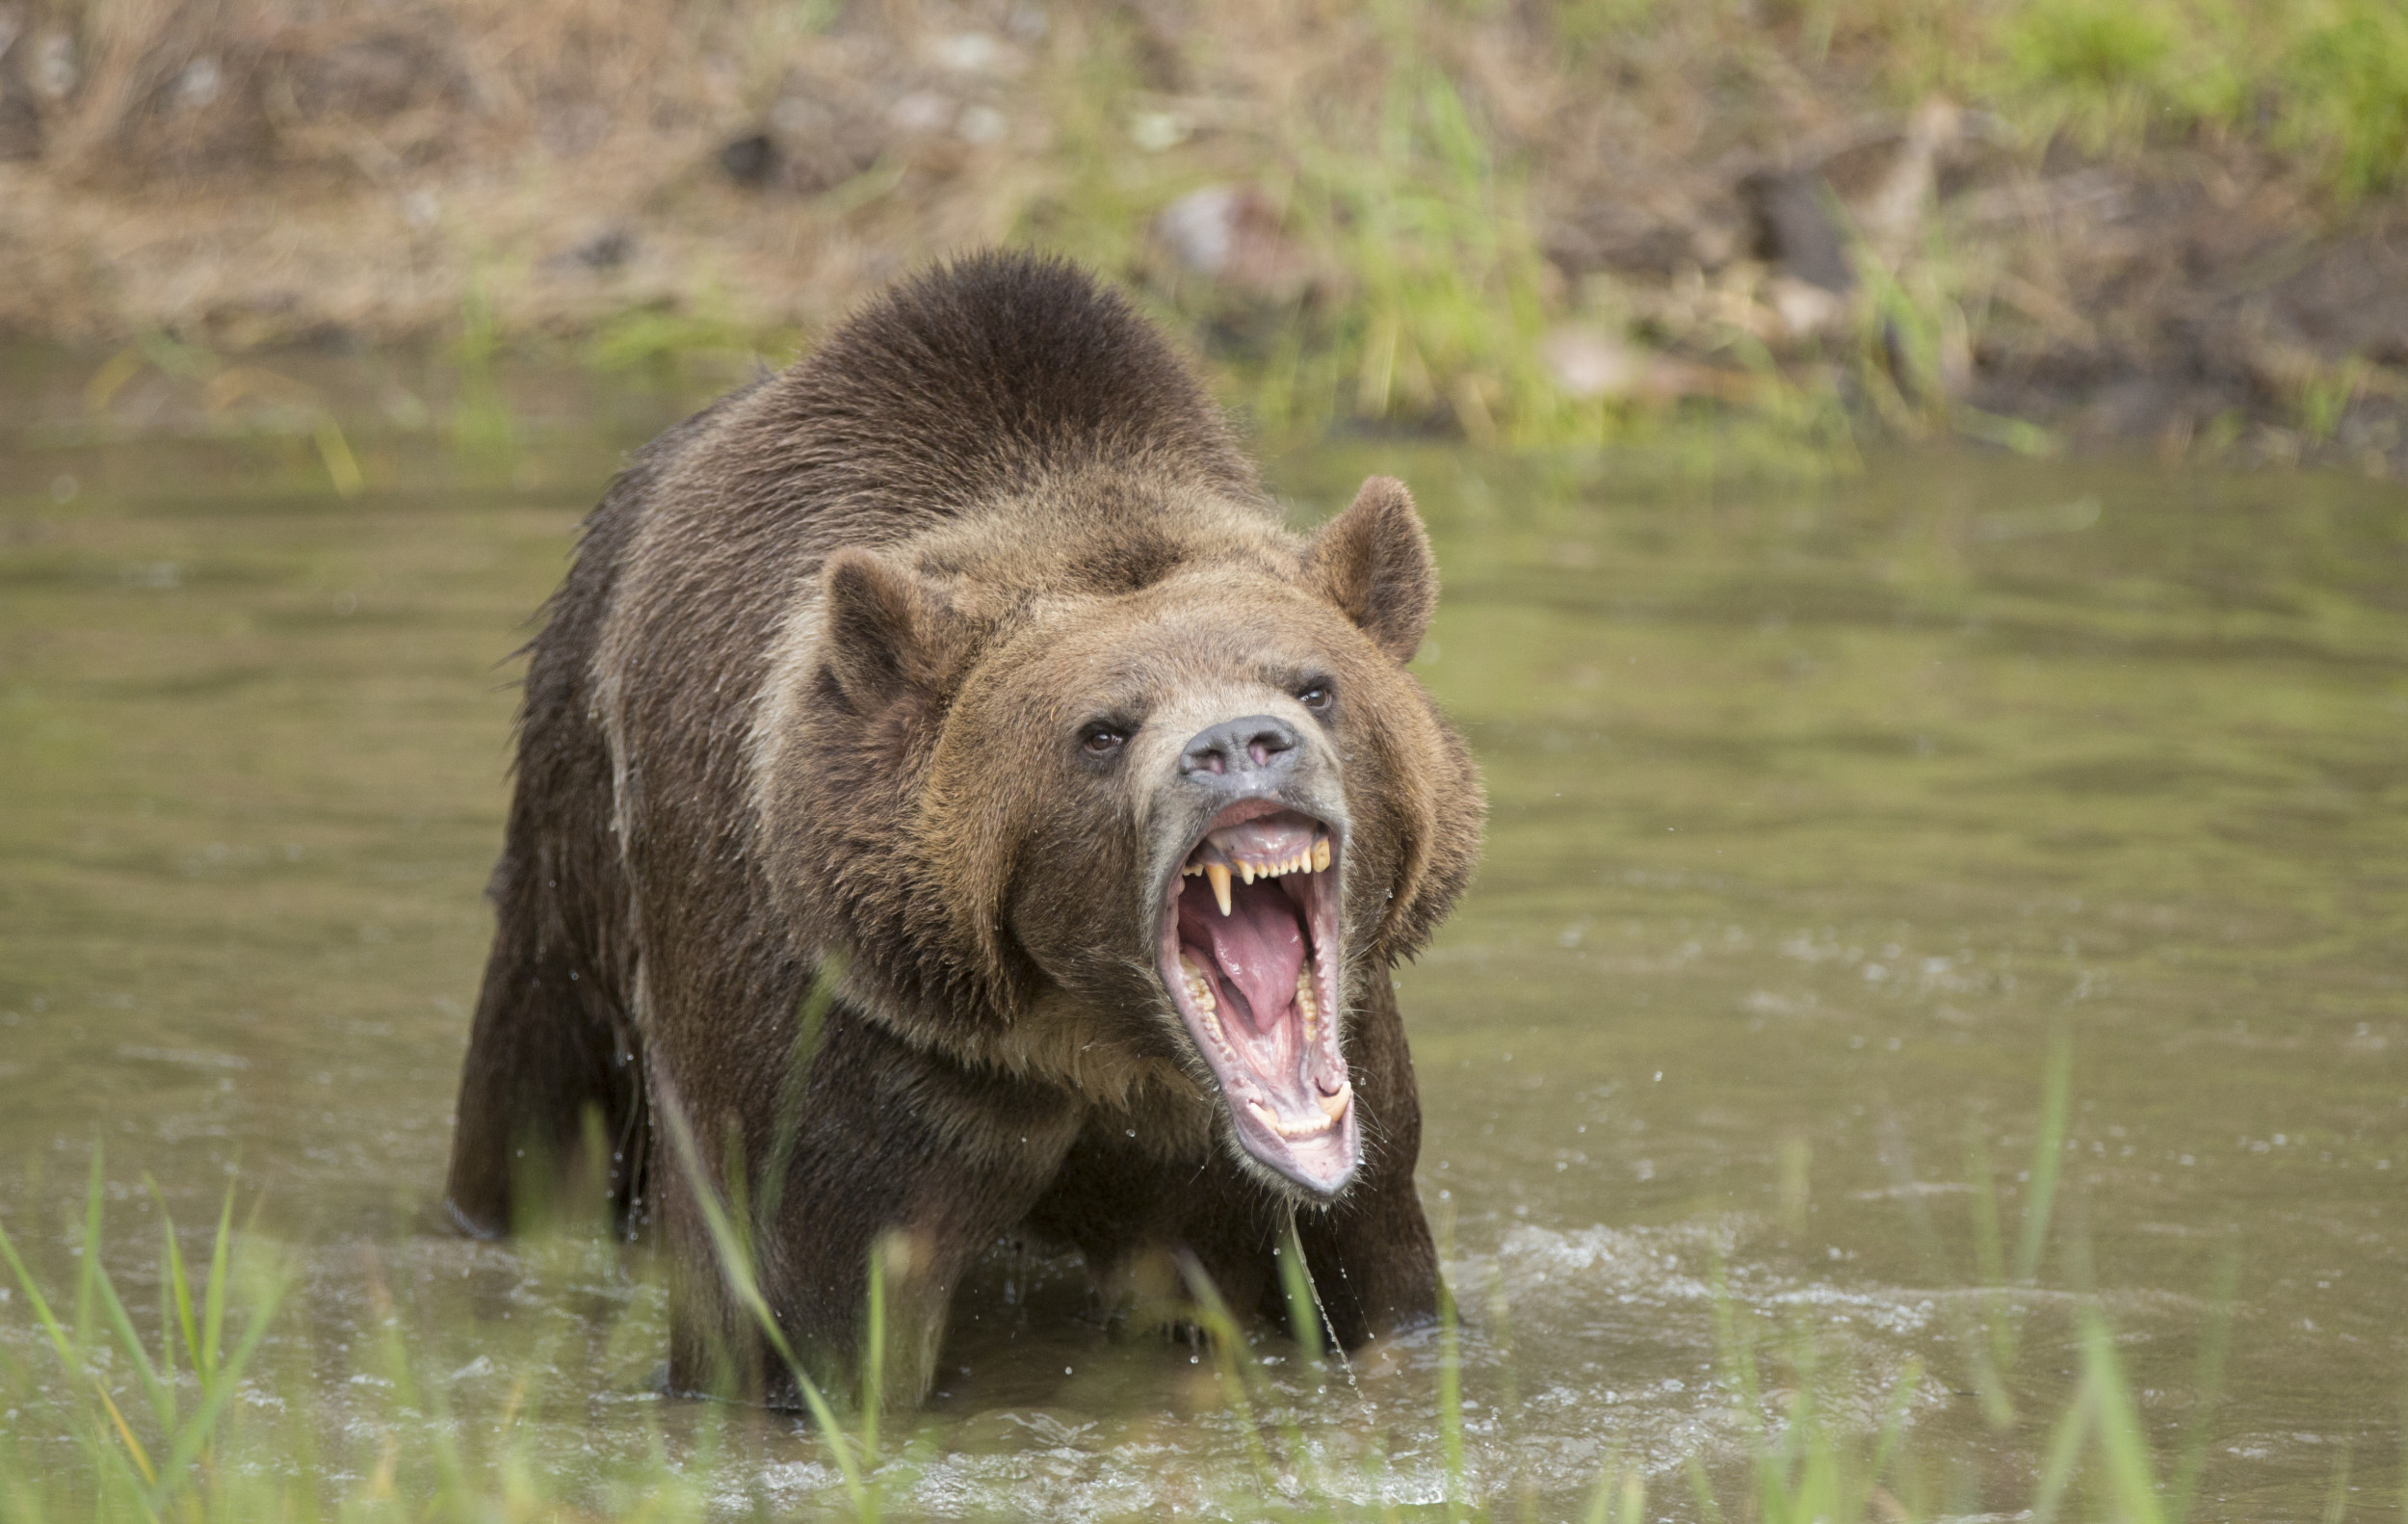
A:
x: 981, y: 379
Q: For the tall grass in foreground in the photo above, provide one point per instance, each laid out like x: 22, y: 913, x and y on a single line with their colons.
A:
x: 165, y: 1423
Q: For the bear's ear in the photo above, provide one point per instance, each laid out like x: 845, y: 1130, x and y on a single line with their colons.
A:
x: 888, y: 633
x: 1373, y: 563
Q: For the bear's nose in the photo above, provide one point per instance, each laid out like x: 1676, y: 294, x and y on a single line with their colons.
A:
x: 1254, y: 750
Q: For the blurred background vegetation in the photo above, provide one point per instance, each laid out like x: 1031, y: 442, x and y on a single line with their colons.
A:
x: 2033, y: 221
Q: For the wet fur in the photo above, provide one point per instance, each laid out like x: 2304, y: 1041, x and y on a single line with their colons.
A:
x: 797, y: 707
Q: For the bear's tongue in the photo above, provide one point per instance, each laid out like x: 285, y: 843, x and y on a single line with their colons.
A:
x: 1256, y: 951
x: 1248, y: 988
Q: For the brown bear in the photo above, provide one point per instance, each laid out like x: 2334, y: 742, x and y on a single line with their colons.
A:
x: 951, y: 806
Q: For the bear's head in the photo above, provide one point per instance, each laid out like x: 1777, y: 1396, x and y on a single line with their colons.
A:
x: 1164, y: 789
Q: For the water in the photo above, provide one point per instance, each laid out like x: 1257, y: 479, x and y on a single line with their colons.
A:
x: 1817, y: 810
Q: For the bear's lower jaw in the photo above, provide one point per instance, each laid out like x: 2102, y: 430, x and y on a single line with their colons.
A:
x: 1252, y: 969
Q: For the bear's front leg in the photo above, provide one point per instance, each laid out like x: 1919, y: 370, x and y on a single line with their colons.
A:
x: 882, y: 1150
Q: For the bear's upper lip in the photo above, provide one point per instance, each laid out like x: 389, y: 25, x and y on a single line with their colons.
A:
x: 1249, y: 957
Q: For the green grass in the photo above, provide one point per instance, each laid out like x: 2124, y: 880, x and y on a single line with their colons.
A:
x: 1434, y: 296
x: 160, y: 1414
x: 2323, y: 80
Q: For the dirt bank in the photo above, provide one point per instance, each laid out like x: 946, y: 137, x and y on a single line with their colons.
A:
x: 1528, y: 222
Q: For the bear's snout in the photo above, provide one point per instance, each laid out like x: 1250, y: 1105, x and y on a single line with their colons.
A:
x: 1241, y: 755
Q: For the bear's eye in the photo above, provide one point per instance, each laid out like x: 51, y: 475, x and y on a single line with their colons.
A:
x: 1315, y: 695
x: 1101, y: 740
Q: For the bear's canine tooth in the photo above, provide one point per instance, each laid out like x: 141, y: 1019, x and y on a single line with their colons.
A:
x: 1320, y: 854
x: 1218, y: 874
x: 1334, y: 1105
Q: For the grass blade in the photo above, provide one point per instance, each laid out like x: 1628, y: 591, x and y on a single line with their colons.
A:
x: 2123, y: 1443
x: 2337, y: 1500
x: 2048, y: 1155
x: 1601, y: 1501
x: 121, y: 1323
x: 95, y: 1196
x: 1221, y: 1330
x: 2056, y: 1467
x: 1989, y: 1248
x: 736, y: 1265
x: 172, y: 1288
x: 1701, y: 1488
x: 1893, y: 1423
x: 874, y: 1356
x: 1451, y: 1397
x: 1998, y: 1407
x: 2209, y: 1384
x: 205, y: 1357
x: 1304, y: 1314
x: 810, y: 1024
x: 218, y: 1390
x: 133, y: 1446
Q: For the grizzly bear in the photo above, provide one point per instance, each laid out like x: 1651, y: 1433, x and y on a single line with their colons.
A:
x: 950, y: 807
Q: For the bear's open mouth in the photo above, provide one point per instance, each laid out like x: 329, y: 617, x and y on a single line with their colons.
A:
x: 1249, y: 954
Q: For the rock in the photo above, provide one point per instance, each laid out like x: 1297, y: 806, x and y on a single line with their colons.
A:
x: 973, y: 53
x: 980, y: 124
x: 20, y: 130
x: 1794, y: 229
x: 922, y: 111
x: 750, y: 160
x: 375, y: 77
x: 1231, y: 234
x: 1803, y: 306
x: 606, y: 249
x: 199, y: 84
x: 1894, y: 211
x: 1588, y: 365
x: 51, y: 71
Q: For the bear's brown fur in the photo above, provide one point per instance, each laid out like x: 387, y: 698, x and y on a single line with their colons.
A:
x: 957, y: 666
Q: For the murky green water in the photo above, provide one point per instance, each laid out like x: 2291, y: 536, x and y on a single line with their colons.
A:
x: 1817, y: 810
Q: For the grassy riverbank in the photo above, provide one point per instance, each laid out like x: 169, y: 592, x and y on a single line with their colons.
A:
x: 2032, y: 221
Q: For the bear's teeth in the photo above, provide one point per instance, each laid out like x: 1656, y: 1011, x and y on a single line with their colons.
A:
x: 1320, y: 854
x: 1270, y: 1119
x: 1199, y: 987
x: 1305, y: 1003
x: 1334, y: 1105
x: 1218, y: 874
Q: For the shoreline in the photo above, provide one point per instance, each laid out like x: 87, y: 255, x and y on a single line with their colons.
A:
x: 1499, y: 226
